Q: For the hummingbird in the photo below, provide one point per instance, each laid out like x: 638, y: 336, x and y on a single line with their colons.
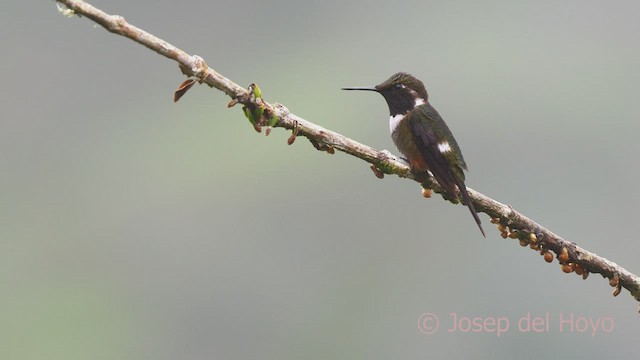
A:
x: 422, y: 136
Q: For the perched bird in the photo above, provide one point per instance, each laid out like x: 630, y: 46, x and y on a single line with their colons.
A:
x: 421, y: 135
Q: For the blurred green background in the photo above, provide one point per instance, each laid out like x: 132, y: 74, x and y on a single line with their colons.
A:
x: 135, y: 228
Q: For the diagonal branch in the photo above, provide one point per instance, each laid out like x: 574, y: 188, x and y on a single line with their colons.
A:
x: 510, y: 223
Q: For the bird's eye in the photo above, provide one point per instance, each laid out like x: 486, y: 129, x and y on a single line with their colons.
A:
x: 399, y: 86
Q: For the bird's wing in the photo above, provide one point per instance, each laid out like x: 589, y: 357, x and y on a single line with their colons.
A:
x: 441, y: 153
x: 443, y: 132
x: 438, y: 147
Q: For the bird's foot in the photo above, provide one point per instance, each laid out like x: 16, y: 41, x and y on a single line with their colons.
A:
x: 389, y: 156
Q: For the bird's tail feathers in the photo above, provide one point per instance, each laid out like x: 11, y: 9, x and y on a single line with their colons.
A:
x: 467, y: 201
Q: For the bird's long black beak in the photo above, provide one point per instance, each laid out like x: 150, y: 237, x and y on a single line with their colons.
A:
x: 361, y: 88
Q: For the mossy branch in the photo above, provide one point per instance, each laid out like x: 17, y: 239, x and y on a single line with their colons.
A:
x: 511, y: 224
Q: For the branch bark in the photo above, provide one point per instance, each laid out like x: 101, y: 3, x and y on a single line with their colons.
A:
x: 510, y: 223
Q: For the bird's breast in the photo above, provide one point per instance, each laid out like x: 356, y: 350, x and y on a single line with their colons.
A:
x: 404, y: 140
